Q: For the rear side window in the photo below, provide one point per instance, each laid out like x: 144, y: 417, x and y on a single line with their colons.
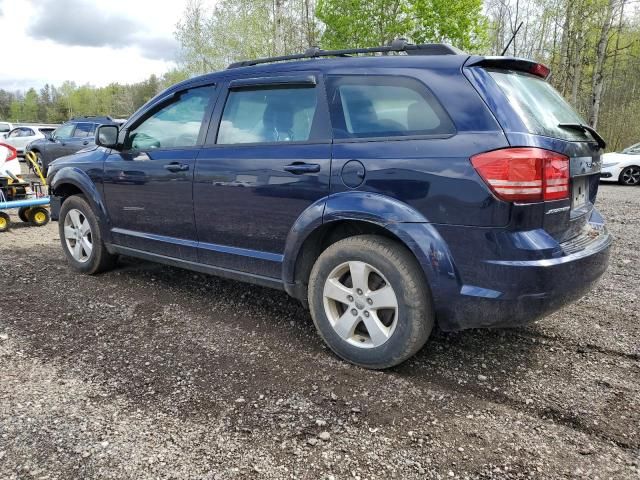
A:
x: 384, y: 106
x: 539, y: 105
x: 268, y: 115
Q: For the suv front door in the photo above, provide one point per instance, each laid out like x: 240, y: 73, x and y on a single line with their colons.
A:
x: 266, y: 160
x: 148, y: 185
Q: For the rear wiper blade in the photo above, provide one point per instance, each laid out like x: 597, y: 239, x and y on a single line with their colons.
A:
x: 586, y: 128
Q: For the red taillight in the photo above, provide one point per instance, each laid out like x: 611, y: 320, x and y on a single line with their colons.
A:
x: 10, y: 152
x: 540, y: 70
x: 524, y: 174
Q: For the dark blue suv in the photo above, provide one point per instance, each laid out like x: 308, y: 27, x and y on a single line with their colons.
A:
x: 386, y: 192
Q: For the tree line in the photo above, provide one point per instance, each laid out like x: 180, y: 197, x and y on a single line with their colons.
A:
x: 592, y: 47
x: 52, y: 104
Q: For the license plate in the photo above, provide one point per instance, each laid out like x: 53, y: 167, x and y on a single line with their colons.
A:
x: 579, y: 192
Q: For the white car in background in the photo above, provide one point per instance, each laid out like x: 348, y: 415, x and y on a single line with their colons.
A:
x: 9, y: 165
x: 622, y: 167
x: 21, y: 136
x: 5, y: 128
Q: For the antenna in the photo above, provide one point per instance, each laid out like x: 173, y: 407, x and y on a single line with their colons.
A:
x: 511, y: 40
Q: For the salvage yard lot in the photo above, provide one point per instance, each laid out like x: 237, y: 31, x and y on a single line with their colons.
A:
x: 154, y: 372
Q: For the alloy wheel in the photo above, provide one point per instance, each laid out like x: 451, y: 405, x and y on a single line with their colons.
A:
x: 77, y: 235
x: 631, y: 175
x: 360, y: 304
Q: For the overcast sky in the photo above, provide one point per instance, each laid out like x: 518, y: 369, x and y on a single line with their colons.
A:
x: 87, y: 41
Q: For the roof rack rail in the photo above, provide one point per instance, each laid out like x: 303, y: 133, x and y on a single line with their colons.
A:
x: 398, y: 45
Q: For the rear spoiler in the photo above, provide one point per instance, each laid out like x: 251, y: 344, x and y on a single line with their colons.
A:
x: 510, y: 63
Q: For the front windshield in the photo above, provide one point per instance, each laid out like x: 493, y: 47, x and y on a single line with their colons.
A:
x: 632, y: 150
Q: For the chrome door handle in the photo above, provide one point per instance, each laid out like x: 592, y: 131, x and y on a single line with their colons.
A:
x: 177, y: 167
x: 301, y: 168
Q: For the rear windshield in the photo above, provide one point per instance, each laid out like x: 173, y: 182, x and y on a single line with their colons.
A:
x: 539, y: 105
x: 4, y: 127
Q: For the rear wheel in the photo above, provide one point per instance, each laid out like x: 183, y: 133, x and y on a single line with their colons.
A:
x: 81, y: 237
x: 370, y: 302
x: 40, y: 162
x: 4, y: 222
x: 630, y: 176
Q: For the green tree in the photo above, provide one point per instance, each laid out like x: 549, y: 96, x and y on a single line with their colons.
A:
x: 361, y: 23
x: 30, y: 106
x: 458, y: 22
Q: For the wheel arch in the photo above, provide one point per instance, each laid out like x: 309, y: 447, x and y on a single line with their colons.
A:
x: 71, y: 181
x: 345, y: 217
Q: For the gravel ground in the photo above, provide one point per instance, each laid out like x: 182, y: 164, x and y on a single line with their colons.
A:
x: 154, y: 372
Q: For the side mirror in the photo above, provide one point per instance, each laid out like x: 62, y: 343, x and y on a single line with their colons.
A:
x: 107, y: 136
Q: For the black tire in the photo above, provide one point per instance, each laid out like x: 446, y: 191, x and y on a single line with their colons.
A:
x: 5, y: 222
x: 415, y: 316
x: 23, y: 213
x: 630, y: 176
x: 38, y: 216
x: 40, y: 161
x: 100, y: 260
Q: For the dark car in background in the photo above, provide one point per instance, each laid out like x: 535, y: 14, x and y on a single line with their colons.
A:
x: 387, y: 192
x: 71, y: 137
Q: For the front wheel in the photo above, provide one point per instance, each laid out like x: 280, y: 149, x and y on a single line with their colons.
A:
x: 370, y: 301
x: 81, y: 237
x: 630, y: 176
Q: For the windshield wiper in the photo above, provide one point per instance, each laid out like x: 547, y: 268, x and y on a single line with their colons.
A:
x: 585, y: 128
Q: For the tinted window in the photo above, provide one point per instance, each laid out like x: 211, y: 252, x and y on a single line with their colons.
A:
x: 4, y: 127
x: 268, y: 115
x: 175, y: 125
x: 539, y: 105
x: 64, y: 131
x: 384, y: 106
x: 84, y: 130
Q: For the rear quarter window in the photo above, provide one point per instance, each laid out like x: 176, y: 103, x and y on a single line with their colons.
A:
x: 384, y: 106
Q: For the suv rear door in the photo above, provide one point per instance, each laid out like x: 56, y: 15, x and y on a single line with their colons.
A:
x: 266, y: 160
x: 533, y: 114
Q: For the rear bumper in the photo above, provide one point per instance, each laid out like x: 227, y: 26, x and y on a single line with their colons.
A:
x: 484, y: 278
x: 530, y: 289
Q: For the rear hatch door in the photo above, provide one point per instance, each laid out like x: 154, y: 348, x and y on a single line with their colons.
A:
x: 533, y: 114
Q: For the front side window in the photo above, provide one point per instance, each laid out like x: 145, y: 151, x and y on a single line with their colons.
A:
x: 27, y: 132
x: 176, y: 125
x: 384, y: 106
x: 268, y: 115
x: 14, y: 133
x: 64, y: 131
x: 84, y: 130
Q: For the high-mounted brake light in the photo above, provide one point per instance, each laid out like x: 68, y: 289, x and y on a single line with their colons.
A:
x: 524, y: 174
x: 10, y: 152
x: 540, y: 70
